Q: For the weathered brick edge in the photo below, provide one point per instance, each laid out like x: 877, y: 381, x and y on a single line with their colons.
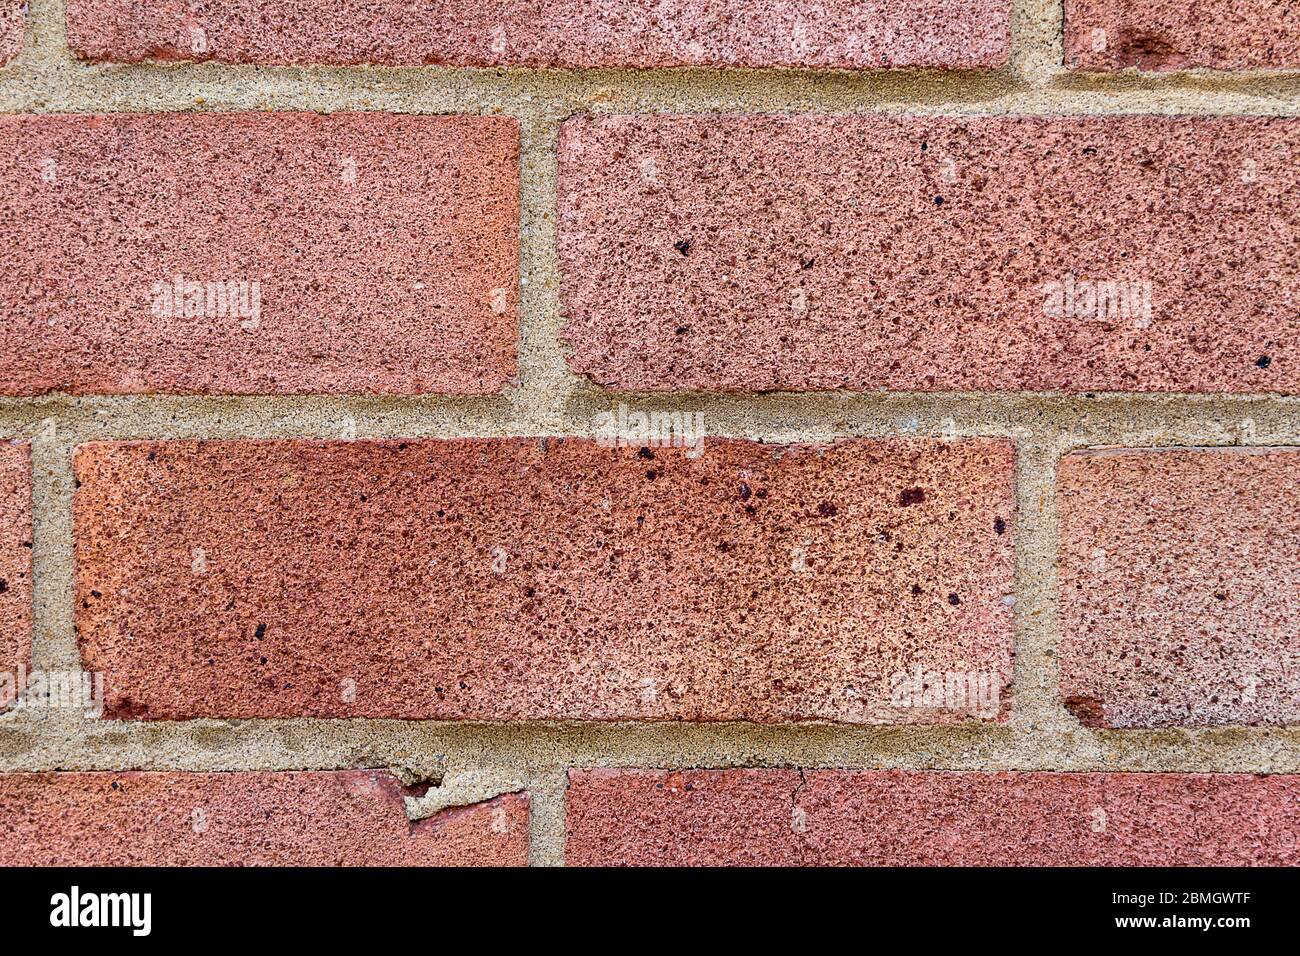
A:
x: 15, y: 566
x: 749, y: 253
x: 310, y: 818
x: 843, y: 34
x: 1161, y: 35
x: 397, y: 579
x: 279, y: 253
x: 13, y: 23
x: 1176, y: 572
x: 929, y: 818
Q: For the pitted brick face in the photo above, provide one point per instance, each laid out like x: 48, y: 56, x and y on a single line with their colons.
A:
x: 1180, y: 587
x: 928, y: 818
x: 259, y: 253
x: 343, y: 818
x: 755, y: 253
x: 582, y: 34
x: 15, y: 562
x: 1164, y: 35
x: 521, y: 579
x: 13, y: 22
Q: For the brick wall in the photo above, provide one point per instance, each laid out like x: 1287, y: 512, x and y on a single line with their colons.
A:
x: 608, y: 433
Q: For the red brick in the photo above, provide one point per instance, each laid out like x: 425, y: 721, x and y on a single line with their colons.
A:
x: 13, y: 21
x: 15, y: 565
x: 929, y: 818
x: 1180, y: 601
x: 1164, y: 35
x: 529, y: 578
x: 558, y: 33
x: 744, y: 253
x: 345, y: 818
x: 385, y: 284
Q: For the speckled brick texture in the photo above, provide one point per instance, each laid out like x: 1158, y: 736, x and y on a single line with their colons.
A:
x: 345, y: 818
x: 1180, y: 586
x: 384, y: 249
x: 15, y: 564
x: 584, y: 34
x: 751, y: 253
x: 531, y: 578
x: 13, y: 22
x: 929, y: 818
x: 994, y: 306
x: 1163, y: 35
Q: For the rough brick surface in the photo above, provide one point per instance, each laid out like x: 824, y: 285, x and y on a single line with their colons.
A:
x: 1180, y: 587
x: 928, y: 818
x: 384, y: 248
x: 1175, y: 34
x: 347, y: 818
x: 13, y: 21
x: 551, y: 33
x: 528, y: 578
x: 15, y: 561
x: 919, y: 253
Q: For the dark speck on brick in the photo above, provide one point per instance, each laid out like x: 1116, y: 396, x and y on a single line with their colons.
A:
x: 911, y: 496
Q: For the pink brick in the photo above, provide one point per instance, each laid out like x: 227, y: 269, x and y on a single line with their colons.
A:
x: 745, y: 253
x: 1167, y: 35
x: 384, y: 248
x: 929, y: 818
x: 1180, y: 587
x: 533, y: 579
x: 345, y: 818
x: 854, y: 34
x: 15, y: 566
x: 13, y: 21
